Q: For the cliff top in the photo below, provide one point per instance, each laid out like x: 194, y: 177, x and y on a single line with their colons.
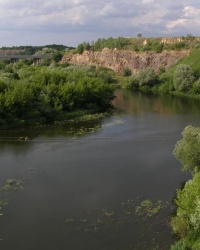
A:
x: 140, y: 43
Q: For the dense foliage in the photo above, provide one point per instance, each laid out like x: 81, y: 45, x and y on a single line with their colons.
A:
x: 145, y: 78
x: 183, y: 78
x: 40, y: 94
x: 187, y: 150
x: 186, y: 222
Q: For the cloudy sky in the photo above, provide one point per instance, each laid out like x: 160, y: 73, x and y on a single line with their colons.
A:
x: 70, y: 22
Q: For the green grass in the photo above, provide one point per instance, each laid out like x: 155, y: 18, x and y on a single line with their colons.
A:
x: 193, y: 60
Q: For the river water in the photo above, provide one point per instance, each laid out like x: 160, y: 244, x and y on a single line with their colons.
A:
x: 83, y: 190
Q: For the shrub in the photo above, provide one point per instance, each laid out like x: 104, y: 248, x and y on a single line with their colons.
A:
x: 57, y: 56
x: 147, y: 77
x: 180, y: 245
x: 127, y: 72
x: 133, y: 82
x: 186, y: 223
x: 196, y: 88
x: 183, y: 78
x: 187, y: 150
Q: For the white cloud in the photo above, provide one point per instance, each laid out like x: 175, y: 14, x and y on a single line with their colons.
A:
x: 188, y: 21
x: 191, y: 12
x: 106, y: 10
x: 86, y: 20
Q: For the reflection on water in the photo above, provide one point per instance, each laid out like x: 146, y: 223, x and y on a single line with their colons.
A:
x: 139, y: 103
x: 82, y: 185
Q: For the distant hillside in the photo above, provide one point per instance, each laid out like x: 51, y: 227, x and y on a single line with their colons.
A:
x: 157, y: 44
x: 31, y: 50
x: 160, y: 53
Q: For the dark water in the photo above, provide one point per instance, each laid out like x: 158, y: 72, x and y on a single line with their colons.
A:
x: 80, y: 192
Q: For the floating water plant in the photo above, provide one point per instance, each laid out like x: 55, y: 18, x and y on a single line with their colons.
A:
x: 149, y: 208
x: 3, y: 202
x: 13, y: 184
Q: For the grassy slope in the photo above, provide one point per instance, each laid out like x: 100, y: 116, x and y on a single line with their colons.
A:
x: 193, y: 60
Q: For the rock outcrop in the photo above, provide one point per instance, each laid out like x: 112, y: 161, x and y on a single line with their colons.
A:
x: 120, y: 59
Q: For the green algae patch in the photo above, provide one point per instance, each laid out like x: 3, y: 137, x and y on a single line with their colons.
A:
x: 3, y: 202
x: 7, y: 189
x: 133, y: 216
x: 13, y: 184
x: 149, y: 208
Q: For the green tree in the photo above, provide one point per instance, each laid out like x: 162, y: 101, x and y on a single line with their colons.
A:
x: 127, y: 72
x: 186, y: 223
x: 133, y: 82
x: 187, y: 150
x: 57, y: 56
x: 80, y: 48
x: 183, y: 78
x: 147, y: 77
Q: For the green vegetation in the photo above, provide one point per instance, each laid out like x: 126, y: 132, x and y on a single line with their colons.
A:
x: 186, y: 222
x: 42, y: 94
x: 10, y: 186
x: 145, y: 79
x: 13, y: 184
x: 31, y: 50
x: 187, y: 150
x: 123, y: 219
x: 149, y: 208
x: 182, y: 79
x: 140, y: 44
x: 127, y: 72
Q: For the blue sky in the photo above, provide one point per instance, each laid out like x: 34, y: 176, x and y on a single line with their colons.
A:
x: 70, y: 22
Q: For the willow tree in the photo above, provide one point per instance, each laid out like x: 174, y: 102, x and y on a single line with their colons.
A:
x: 183, y: 78
x: 187, y: 150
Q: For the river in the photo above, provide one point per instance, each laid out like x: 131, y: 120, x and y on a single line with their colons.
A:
x: 84, y: 189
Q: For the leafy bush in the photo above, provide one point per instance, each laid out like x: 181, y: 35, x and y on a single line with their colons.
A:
x: 180, y: 245
x: 186, y: 223
x: 196, y: 88
x: 57, y: 56
x: 183, y: 78
x: 147, y: 77
x: 127, y: 72
x: 179, y: 45
x: 133, y: 82
x: 187, y: 150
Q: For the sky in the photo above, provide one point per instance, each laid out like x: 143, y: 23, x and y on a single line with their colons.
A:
x: 70, y: 22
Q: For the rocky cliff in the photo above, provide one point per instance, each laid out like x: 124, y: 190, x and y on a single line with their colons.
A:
x: 120, y: 59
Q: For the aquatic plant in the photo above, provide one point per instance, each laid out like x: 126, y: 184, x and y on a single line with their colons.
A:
x: 13, y: 184
x: 149, y: 208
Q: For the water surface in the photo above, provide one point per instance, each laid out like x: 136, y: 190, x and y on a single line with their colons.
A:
x: 80, y: 191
